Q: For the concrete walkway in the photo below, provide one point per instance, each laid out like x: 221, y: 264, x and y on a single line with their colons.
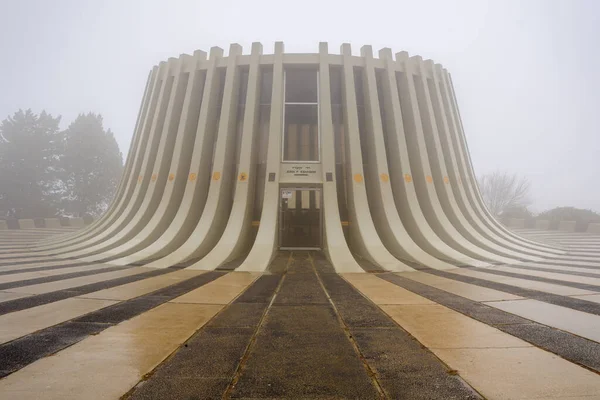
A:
x: 93, y: 331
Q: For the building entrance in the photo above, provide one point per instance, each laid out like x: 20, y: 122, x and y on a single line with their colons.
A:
x: 300, y: 218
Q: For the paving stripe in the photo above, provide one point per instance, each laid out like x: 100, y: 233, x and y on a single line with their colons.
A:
x: 76, y: 287
x: 301, y: 350
x: 4, y: 271
x: 554, y: 270
x: 28, y: 274
x: 570, y: 346
x: 59, y: 277
x: 29, y: 259
x: 405, y: 369
x: 41, y: 265
x: 15, y: 325
x: 521, y: 287
x: 23, y: 351
x: 573, y: 282
x: 204, y: 366
x: 107, y: 365
x: 588, y: 269
x: 577, y: 322
x: 497, y: 364
x: 521, y: 282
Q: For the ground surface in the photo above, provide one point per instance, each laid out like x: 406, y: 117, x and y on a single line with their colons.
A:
x: 75, y: 330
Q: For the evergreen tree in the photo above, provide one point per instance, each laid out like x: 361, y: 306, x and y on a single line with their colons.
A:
x: 92, y: 165
x: 30, y: 149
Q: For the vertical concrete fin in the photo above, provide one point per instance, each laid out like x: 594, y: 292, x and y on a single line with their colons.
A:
x: 136, y: 180
x: 168, y: 248
x: 161, y: 225
x: 127, y: 170
x: 442, y: 197
x: 262, y: 251
x: 209, y: 228
x: 387, y: 220
x: 171, y: 177
x: 456, y: 192
x: 401, y: 174
x: 336, y: 248
x: 236, y: 237
x: 468, y: 179
x: 419, y: 162
x: 158, y: 159
x: 365, y: 240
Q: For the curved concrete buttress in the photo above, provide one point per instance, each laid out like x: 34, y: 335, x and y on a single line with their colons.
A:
x: 133, y: 184
x: 362, y: 230
x: 467, y: 175
x: 262, y: 251
x: 445, y: 127
x: 419, y: 162
x: 127, y: 170
x: 159, y: 159
x: 207, y: 87
x: 379, y: 191
x: 171, y: 179
x: 152, y: 136
x: 174, y: 196
x: 336, y: 247
x: 237, y: 235
x: 403, y: 190
x: 432, y: 125
x: 218, y: 202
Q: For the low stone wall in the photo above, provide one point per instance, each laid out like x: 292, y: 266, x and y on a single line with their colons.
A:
x: 567, y: 226
x: 26, y: 224
x: 52, y: 223
x: 516, y: 223
x: 542, y: 224
x: 76, y: 222
x: 3, y: 225
x: 594, y: 228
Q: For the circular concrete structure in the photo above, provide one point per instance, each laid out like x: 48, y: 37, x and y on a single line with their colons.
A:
x: 237, y: 156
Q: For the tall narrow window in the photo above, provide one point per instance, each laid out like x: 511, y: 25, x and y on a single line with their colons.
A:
x: 301, y: 118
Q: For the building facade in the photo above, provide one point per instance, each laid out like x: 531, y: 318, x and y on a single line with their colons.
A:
x: 235, y: 157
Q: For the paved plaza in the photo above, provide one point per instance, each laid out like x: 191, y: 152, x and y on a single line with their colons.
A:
x: 77, y: 330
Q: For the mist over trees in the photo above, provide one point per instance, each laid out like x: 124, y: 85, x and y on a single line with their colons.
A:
x: 48, y: 172
x: 507, y: 196
x: 503, y: 191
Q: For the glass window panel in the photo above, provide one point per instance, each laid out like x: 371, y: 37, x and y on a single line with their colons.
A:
x: 301, y: 86
x: 301, y: 134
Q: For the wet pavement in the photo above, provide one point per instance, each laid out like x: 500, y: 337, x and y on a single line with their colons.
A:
x: 72, y: 330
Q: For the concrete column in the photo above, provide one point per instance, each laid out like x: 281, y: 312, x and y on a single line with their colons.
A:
x: 432, y: 126
x: 469, y: 181
x: 156, y: 162
x: 262, y: 251
x: 446, y: 131
x: 197, y: 178
x: 171, y: 179
x: 336, y: 248
x: 236, y: 237
x: 364, y: 237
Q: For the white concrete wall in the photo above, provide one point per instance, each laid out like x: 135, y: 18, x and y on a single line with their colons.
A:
x: 187, y: 195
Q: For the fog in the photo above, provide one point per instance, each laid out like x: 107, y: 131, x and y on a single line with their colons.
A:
x: 525, y: 72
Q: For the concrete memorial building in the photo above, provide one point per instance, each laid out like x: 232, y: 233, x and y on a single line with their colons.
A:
x: 235, y: 157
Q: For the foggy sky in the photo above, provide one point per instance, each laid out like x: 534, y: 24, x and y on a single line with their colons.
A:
x: 526, y: 73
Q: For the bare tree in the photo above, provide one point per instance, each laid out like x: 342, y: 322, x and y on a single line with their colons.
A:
x: 502, y: 191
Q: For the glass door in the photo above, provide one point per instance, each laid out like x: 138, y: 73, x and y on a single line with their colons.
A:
x: 300, y: 218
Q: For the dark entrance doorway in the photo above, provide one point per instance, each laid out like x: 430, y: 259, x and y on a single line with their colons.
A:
x: 300, y: 218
